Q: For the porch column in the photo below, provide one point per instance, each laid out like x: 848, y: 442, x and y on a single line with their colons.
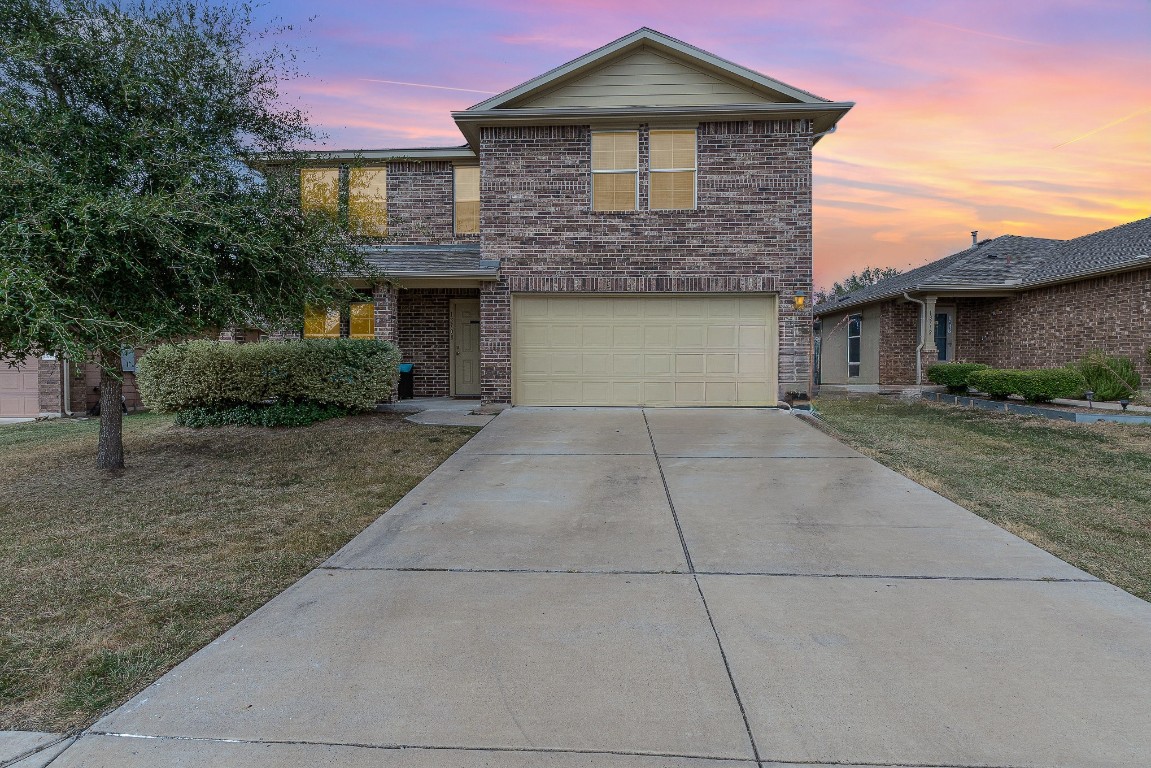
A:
x: 930, y: 353
x: 387, y: 321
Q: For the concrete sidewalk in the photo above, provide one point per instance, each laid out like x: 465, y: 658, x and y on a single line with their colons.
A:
x: 662, y: 588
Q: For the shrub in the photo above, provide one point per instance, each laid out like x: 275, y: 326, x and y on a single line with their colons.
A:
x: 261, y: 415
x: 1035, y: 386
x: 353, y: 374
x: 1110, y: 378
x: 953, y: 375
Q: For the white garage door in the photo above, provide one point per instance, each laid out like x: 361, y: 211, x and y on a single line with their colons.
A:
x: 19, y: 389
x: 648, y: 350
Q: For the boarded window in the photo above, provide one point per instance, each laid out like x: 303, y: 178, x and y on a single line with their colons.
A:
x: 672, y: 170
x: 854, y: 332
x: 362, y: 320
x: 320, y: 323
x: 320, y: 190
x: 615, y: 168
x: 467, y: 199
x: 368, y: 202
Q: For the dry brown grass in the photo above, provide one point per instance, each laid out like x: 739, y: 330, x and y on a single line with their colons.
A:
x: 1080, y: 491
x: 111, y: 580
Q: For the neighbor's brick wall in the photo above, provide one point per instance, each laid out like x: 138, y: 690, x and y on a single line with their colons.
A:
x: 1051, y: 326
x: 421, y: 204
x: 898, y: 338
x: 751, y: 230
x: 425, y: 335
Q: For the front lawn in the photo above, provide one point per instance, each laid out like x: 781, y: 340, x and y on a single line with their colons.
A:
x: 109, y: 581
x: 1080, y: 491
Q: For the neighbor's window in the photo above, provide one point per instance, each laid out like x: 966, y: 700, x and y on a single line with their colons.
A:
x: 358, y: 323
x: 615, y: 170
x: 467, y: 199
x: 854, y: 331
x: 320, y: 190
x: 368, y: 201
x: 672, y: 170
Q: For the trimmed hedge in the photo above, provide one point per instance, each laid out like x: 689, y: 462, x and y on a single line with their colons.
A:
x: 953, y: 375
x: 1034, y: 386
x: 274, y: 415
x: 1110, y: 378
x: 353, y: 374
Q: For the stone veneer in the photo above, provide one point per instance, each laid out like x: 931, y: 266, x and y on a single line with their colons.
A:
x: 750, y: 231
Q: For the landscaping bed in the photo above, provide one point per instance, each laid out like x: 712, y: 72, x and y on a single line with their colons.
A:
x: 110, y: 580
x: 1079, y: 491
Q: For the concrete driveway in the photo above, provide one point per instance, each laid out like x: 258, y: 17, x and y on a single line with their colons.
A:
x: 662, y: 588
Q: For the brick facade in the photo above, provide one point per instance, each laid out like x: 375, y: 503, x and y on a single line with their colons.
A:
x: 84, y: 388
x: 1059, y: 324
x: 1044, y: 327
x: 750, y: 231
x: 421, y: 204
x: 898, y: 338
x: 425, y: 335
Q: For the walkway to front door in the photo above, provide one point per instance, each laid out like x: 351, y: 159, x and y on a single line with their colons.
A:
x: 643, y: 589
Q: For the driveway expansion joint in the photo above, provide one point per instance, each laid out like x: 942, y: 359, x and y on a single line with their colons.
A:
x: 428, y: 747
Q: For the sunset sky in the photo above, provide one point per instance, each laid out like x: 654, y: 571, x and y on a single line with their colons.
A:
x: 1027, y: 117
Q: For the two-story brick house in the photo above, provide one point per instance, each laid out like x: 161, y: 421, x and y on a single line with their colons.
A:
x: 633, y: 227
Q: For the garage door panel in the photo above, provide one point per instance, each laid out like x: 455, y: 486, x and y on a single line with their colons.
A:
x: 666, y: 350
x: 19, y: 389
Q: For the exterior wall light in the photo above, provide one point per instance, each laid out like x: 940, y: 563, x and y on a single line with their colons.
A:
x: 800, y: 300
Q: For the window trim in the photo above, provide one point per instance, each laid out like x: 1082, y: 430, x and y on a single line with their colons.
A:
x: 694, y: 170
x: 854, y: 367
x: 456, y: 167
x: 633, y: 171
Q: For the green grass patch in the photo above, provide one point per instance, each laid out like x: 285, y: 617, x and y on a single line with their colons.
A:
x: 1080, y: 491
x: 112, y: 579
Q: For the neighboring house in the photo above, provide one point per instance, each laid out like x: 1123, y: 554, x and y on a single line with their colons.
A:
x: 1011, y: 302
x: 46, y: 386
x: 631, y: 228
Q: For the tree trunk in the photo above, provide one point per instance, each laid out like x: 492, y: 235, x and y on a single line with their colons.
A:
x: 110, y: 453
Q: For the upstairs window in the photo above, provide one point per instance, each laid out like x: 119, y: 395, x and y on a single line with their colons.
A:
x: 854, y: 333
x: 368, y: 201
x: 320, y: 190
x: 467, y: 192
x: 615, y: 170
x: 672, y: 170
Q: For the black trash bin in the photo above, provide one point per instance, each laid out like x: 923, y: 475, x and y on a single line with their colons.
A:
x: 407, y: 381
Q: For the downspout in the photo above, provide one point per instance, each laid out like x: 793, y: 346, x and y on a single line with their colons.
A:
x: 922, y: 341
x: 66, y: 371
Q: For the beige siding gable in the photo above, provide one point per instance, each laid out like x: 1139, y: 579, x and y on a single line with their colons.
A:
x: 644, y: 78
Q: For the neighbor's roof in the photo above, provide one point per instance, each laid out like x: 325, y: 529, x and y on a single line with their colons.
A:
x: 1002, y: 263
x: 1122, y: 247
x: 422, y: 261
x: 1014, y: 263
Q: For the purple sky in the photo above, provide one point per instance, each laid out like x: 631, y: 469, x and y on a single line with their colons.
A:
x: 1022, y: 117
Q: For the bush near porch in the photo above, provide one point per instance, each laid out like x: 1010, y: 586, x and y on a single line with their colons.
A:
x: 954, y: 376
x: 1034, y: 386
x: 305, y: 380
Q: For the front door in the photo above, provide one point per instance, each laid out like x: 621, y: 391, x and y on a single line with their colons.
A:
x: 465, y: 350
x: 945, y: 333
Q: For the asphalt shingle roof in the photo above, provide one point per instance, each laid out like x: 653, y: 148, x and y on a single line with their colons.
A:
x: 1012, y: 262
x: 431, y: 261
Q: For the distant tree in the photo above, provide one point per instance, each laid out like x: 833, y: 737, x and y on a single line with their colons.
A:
x: 854, y: 281
x: 129, y: 213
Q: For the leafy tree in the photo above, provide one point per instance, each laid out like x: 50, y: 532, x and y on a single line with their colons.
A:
x: 129, y: 213
x: 855, y: 281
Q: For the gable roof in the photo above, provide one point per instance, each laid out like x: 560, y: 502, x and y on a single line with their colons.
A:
x: 1012, y: 263
x: 658, y: 42
x: 646, y: 76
